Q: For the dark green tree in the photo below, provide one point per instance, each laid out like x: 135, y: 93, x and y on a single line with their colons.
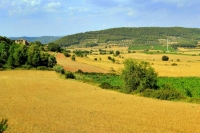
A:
x: 52, y: 61
x: 117, y: 53
x: 138, y: 75
x: 54, y: 47
x: 165, y: 58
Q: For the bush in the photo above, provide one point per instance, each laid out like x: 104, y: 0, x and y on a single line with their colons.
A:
x: 3, y: 125
x: 26, y: 67
x: 106, y: 85
x: 69, y: 75
x: 165, y: 58
x: 66, y: 54
x: 109, y: 58
x: 43, y: 68
x: 95, y: 59
x: 174, y: 64
x: 79, y: 71
x: 138, y: 75
x: 165, y: 94
x: 73, y: 58
x: 59, y: 69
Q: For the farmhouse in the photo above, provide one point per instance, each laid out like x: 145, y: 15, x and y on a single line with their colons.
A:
x: 22, y: 41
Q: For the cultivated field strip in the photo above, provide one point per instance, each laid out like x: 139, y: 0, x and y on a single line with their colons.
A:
x: 42, y: 102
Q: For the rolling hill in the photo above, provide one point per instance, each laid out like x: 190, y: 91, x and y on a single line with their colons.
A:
x: 186, y: 37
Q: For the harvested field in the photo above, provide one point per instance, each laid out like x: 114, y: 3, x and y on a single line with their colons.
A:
x: 41, y: 102
x: 187, y: 66
x: 73, y: 66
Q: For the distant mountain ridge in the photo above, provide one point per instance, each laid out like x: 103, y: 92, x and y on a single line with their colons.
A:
x: 42, y: 39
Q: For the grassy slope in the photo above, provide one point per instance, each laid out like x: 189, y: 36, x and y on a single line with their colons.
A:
x: 41, y: 102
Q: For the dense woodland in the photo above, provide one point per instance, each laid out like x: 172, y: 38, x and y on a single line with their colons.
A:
x: 14, y: 55
x: 142, y: 36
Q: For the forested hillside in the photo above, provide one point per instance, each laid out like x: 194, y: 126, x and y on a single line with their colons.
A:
x: 136, y: 36
x: 43, y: 39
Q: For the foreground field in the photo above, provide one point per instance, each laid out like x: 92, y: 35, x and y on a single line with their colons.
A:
x: 42, y: 102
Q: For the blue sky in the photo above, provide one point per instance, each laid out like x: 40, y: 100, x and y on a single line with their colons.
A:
x: 64, y: 17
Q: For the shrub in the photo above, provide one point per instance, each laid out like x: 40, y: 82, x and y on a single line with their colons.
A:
x: 66, y: 54
x: 59, y: 69
x: 26, y: 67
x: 117, y: 53
x: 165, y: 58
x: 95, y: 59
x: 178, y: 60
x: 43, y: 68
x: 109, y: 58
x: 73, y: 57
x: 3, y: 125
x: 165, y: 94
x: 174, y: 64
x: 106, y: 85
x: 138, y: 75
x: 69, y: 75
x: 79, y: 71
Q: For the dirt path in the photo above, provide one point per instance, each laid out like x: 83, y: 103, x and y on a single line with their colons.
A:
x: 73, y: 66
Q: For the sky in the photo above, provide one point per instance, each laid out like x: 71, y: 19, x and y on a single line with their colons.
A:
x: 34, y: 18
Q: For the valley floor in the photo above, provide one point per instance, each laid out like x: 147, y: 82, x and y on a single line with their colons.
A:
x: 42, y: 102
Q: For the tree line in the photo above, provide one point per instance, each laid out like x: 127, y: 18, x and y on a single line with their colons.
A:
x: 19, y: 55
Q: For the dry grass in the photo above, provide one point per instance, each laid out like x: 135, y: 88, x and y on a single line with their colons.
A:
x: 41, y: 102
x: 73, y: 66
x: 188, y: 65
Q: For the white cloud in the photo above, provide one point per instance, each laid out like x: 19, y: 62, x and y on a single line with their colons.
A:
x: 52, y: 7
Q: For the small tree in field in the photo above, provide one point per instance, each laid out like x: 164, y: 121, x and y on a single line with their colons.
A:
x: 138, y: 75
x: 165, y: 58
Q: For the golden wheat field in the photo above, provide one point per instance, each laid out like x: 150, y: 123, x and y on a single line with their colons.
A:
x: 187, y: 66
x: 42, y: 102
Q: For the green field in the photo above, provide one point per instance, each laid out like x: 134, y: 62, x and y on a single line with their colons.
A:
x: 188, y: 86
x: 183, y: 84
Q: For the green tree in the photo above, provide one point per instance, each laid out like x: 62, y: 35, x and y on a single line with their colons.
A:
x: 4, y: 52
x: 44, y: 59
x: 52, y: 61
x: 138, y: 75
x: 165, y: 58
x: 33, y: 54
x: 117, y: 53
x: 54, y: 47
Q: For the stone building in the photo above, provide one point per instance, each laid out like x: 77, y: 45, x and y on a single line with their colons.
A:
x: 22, y: 41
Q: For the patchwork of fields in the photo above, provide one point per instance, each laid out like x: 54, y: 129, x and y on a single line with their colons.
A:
x: 187, y: 66
x: 42, y: 102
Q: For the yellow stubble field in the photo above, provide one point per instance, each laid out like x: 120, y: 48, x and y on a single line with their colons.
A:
x: 187, y: 66
x: 42, y: 102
